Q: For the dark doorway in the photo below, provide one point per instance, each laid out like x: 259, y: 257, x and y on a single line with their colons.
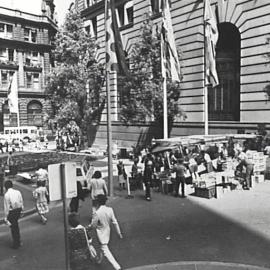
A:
x: 224, y: 100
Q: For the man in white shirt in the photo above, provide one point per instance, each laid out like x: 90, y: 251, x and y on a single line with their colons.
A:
x: 101, y: 221
x: 13, y: 206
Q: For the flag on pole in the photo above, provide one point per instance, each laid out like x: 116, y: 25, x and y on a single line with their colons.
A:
x: 115, y: 55
x: 170, y: 66
x: 211, y: 38
x: 13, y: 100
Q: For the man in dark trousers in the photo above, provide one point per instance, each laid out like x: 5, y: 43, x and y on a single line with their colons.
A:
x: 74, y: 203
x: 13, y: 206
x: 147, y: 179
x: 179, y: 170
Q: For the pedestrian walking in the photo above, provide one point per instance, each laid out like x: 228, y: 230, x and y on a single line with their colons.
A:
x: 122, y: 176
x: 180, y: 170
x: 10, y: 162
x: 1, y: 147
x: 41, y: 196
x: 147, y: 179
x: 13, y: 207
x: 101, y: 221
x: 74, y: 203
x: 97, y: 186
x: 2, y: 177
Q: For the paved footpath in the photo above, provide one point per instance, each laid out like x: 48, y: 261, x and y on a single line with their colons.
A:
x: 229, y: 233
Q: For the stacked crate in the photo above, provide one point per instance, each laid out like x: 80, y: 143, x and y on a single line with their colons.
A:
x: 259, y: 161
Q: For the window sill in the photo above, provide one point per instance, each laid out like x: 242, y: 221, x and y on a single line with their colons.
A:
x: 126, y: 26
x: 32, y: 68
x: 9, y: 66
x: 156, y: 15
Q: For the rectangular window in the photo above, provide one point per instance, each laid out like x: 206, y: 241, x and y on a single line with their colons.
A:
x: 6, y: 76
x: 94, y: 23
x: 129, y: 15
x: 34, y: 36
x: 2, y: 28
x: 27, y: 58
x: 36, y: 81
x: 155, y: 6
x: 35, y: 58
x: 91, y: 27
x: 6, y: 30
x: 26, y: 34
x: 121, y: 15
x: 3, y: 54
x: 10, y: 55
x: 9, y: 33
x: 28, y: 80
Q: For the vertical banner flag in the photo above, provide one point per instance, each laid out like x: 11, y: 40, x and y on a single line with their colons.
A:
x: 170, y: 66
x: 13, y: 101
x: 211, y: 38
x: 115, y: 55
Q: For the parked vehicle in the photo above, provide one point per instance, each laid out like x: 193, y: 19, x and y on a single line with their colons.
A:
x: 26, y: 133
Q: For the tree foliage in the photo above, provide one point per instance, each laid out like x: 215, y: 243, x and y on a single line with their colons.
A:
x: 73, y: 88
x: 143, y: 94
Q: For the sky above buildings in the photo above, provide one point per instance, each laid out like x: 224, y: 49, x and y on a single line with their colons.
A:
x: 34, y: 6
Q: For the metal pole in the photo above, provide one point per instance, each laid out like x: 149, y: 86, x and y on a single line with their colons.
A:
x: 165, y: 108
x: 109, y: 125
x: 63, y: 191
x: 109, y: 135
x: 205, y: 90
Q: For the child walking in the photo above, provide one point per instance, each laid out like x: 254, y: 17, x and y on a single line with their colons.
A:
x: 41, y: 195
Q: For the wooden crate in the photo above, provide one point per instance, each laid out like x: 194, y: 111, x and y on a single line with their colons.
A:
x: 208, y: 192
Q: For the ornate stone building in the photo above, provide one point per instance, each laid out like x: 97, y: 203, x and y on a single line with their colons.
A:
x: 239, y: 103
x: 25, y: 46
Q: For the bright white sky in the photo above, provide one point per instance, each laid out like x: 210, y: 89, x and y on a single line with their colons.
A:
x: 34, y: 6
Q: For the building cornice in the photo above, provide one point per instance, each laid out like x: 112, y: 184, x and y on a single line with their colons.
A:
x: 98, y: 8
x: 17, y: 16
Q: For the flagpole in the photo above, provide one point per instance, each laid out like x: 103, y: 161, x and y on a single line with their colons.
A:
x: 109, y: 125
x: 165, y: 108
x: 206, y: 127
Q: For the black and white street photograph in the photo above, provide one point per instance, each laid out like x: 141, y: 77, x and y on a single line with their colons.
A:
x: 134, y: 135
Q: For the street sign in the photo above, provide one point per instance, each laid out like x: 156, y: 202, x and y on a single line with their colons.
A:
x: 55, y: 181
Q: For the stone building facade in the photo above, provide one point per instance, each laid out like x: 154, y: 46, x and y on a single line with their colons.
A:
x: 239, y: 103
x: 25, y: 47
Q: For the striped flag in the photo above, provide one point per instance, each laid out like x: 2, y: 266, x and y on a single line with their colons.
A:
x: 170, y: 66
x: 115, y: 55
x: 211, y: 38
x: 13, y: 100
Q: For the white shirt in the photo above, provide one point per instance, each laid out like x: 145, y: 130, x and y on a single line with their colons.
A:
x: 102, y: 219
x: 207, y: 157
x: 12, y: 200
x: 97, y: 186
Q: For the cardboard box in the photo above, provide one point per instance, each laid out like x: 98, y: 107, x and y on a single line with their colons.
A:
x: 257, y: 178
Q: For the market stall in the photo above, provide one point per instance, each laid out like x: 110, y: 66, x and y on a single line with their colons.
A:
x: 223, y: 178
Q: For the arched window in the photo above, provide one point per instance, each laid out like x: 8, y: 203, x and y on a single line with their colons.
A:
x: 34, y: 114
x: 224, y: 100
